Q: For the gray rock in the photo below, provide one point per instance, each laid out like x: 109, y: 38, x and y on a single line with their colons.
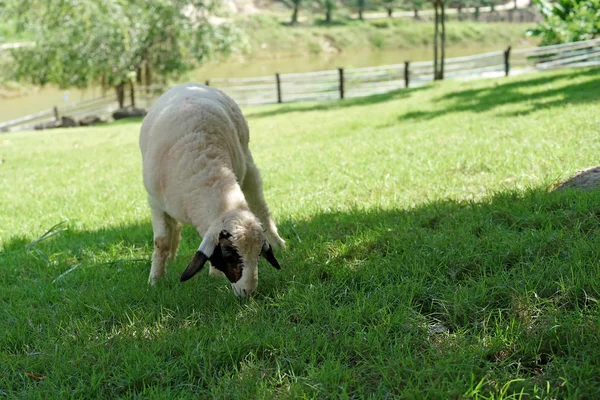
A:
x: 128, y: 112
x: 68, y: 122
x: 46, y: 125
x: 91, y: 120
x: 64, y: 122
x: 586, y: 179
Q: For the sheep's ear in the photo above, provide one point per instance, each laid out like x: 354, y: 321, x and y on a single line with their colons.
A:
x: 267, y: 253
x: 195, y: 266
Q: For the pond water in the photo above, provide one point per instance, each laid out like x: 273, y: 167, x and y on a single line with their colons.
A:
x: 48, y: 97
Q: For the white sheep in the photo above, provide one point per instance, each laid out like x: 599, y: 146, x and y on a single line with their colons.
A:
x: 198, y: 170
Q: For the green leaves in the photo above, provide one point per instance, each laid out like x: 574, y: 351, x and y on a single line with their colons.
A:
x: 568, y: 21
x: 83, y: 42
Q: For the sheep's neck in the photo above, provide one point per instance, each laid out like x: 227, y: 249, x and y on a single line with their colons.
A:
x: 214, y: 201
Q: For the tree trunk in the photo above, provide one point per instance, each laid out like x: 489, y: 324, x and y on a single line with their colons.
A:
x: 295, y: 15
x: 460, y: 15
x: 120, y: 89
x: 476, y: 13
x: 390, y: 11
x: 435, y: 40
x: 148, y: 76
x: 361, y: 9
x: 328, y: 15
x: 132, y: 92
x: 443, y: 44
x: 104, y: 84
x: 416, y: 13
x: 515, y: 3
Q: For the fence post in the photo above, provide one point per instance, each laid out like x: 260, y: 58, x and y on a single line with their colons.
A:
x: 341, y: 70
x: 506, y: 61
x: 56, y: 113
x: 406, y: 75
x: 278, y: 79
x: 207, y: 83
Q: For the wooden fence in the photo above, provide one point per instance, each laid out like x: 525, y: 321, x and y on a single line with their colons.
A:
x: 102, y: 106
x: 351, y: 82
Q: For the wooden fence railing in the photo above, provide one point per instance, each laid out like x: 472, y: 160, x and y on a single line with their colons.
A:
x: 351, y: 82
x: 101, y: 106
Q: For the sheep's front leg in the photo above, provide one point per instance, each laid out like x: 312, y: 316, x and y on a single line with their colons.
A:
x: 253, y: 191
x: 164, y: 240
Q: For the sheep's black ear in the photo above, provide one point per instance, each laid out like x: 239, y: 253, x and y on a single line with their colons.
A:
x: 194, y: 266
x: 267, y: 253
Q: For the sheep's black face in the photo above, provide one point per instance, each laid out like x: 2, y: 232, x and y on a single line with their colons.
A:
x: 239, y: 268
x: 227, y: 259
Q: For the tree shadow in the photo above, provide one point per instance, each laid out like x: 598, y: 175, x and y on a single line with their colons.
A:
x: 508, y: 241
x: 336, y: 104
x: 515, y: 92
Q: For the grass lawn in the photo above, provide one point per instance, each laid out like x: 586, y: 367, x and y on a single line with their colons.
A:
x: 426, y: 257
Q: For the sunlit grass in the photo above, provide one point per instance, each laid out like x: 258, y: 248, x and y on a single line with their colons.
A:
x: 426, y: 257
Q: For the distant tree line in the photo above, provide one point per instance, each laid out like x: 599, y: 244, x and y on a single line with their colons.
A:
x: 439, y: 7
x: 328, y: 7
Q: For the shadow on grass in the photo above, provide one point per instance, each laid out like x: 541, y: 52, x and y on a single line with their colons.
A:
x: 489, y: 251
x: 127, y: 121
x: 519, y: 269
x: 488, y: 98
x: 336, y: 104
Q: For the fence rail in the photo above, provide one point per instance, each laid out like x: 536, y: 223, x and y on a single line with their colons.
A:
x: 351, y: 82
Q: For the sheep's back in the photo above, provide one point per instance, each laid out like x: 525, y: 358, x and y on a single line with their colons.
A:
x: 187, y: 124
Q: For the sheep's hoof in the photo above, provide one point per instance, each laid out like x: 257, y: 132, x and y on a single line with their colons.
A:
x: 276, y: 241
x: 152, y: 279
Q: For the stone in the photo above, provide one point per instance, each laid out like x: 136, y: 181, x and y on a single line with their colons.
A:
x: 587, y: 179
x: 128, y: 112
x: 91, y: 120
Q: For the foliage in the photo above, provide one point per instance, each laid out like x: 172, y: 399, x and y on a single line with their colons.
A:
x: 83, y: 42
x: 568, y: 21
x: 425, y: 257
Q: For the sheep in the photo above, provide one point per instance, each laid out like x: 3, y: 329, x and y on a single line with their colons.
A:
x: 198, y: 170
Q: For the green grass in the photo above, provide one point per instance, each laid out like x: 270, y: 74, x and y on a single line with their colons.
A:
x: 426, y: 257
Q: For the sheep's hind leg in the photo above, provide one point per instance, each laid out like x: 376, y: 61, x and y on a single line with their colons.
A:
x: 175, y: 234
x: 253, y: 191
x: 163, y: 242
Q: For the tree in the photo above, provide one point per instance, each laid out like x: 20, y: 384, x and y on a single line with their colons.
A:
x: 568, y: 21
x: 439, y: 39
x: 361, y: 8
x: 326, y: 6
x: 295, y: 5
x: 493, y: 3
x: 414, y: 5
x: 114, y: 42
x: 390, y: 5
x: 476, y: 4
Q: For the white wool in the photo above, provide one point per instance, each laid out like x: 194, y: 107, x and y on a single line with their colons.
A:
x: 198, y: 170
